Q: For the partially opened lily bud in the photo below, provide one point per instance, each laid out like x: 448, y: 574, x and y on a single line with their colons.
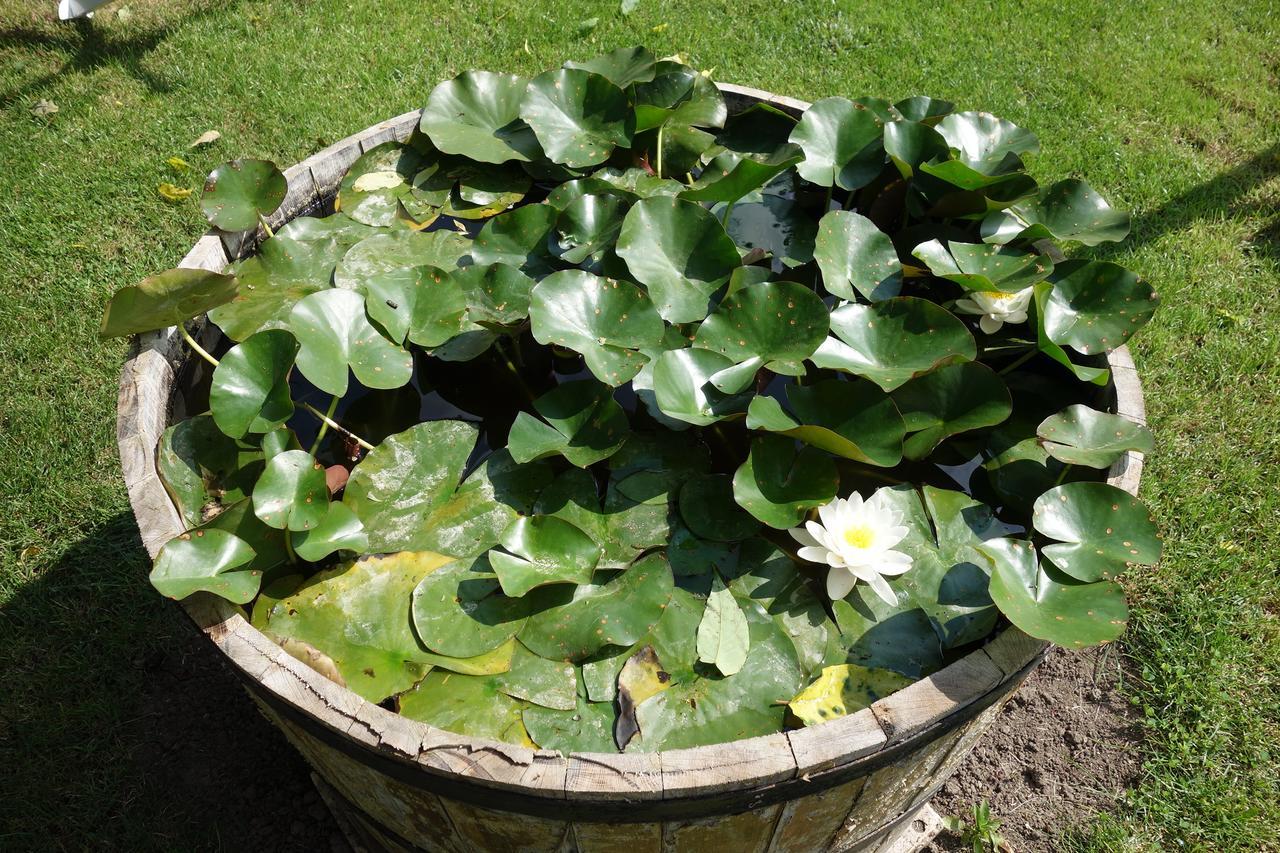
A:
x: 996, y: 307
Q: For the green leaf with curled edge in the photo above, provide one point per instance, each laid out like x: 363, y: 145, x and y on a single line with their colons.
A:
x: 1079, y: 435
x: 951, y: 400
x: 677, y: 95
x: 855, y: 255
x: 760, y: 131
x: 355, y: 616
x: 497, y: 295
x: 484, y: 191
x: 731, y: 175
x: 844, y: 689
x: 776, y: 321
x: 638, y: 182
x: 460, y: 610
x: 1096, y: 306
x: 291, y: 493
x: 924, y: 109
x: 340, y: 530
x: 976, y: 266
x: 683, y: 388
x: 1068, y: 210
x: 624, y: 66
x: 852, y: 419
x: 383, y: 253
x: 1100, y: 530
x: 203, y: 469
x: 250, y: 386
x: 165, y: 299
x: 1050, y: 605
x: 708, y: 710
x: 631, y: 518
x: 882, y: 636
x: 588, y: 227
x: 910, y: 144
x: 543, y: 550
x: 334, y: 334
x: 206, y: 561
x: 841, y: 142
x: 477, y: 115
x: 238, y: 192
x: 1083, y: 372
x: 723, y: 634
x: 267, y: 542
x: 985, y: 143
x: 778, y: 483
x: 774, y: 224
x: 422, y: 303
x: 579, y: 117
x: 616, y: 608
x: 586, y: 728
x: 581, y: 422
x: 518, y: 238
x: 570, y: 191
x: 270, y: 283
x: 707, y: 507
x: 466, y: 705
x: 680, y: 252
x: 605, y: 320
x: 372, y: 190
x: 397, y: 487
x: 894, y: 341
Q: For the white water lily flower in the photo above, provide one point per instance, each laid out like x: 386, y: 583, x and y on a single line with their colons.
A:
x: 996, y: 307
x: 855, y: 538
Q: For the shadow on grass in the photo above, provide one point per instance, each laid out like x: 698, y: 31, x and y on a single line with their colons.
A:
x: 122, y: 728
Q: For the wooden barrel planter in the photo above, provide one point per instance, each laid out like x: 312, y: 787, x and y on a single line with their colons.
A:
x: 853, y: 784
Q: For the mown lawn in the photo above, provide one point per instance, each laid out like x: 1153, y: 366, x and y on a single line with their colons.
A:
x: 1169, y: 109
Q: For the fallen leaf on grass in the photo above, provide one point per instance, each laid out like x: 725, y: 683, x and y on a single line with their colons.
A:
x: 588, y: 25
x: 207, y: 138
x: 178, y: 165
x: 629, y: 6
x: 172, y: 193
x: 43, y: 108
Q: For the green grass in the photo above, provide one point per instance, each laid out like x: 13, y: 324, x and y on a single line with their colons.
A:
x: 1168, y: 109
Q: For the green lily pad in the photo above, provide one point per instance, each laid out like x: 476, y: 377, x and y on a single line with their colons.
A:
x: 587, y: 728
x: 544, y: 550
x: 291, y: 493
x: 356, y: 615
x: 894, y: 341
x: 250, y: 390
x: 986, y: 144
x: 495, y: 294
x: 855, y: 420
x: 340, y: 530
x: 844, y: 689
x: 975, y: 266
x: 422, y: 303
x: 1100, y: 530
x: 617, y: 608
x: 680, y: 252
x: 724, y: 636
x: 708, y: 509
x: 1085, y: 373
x: 165, y: 299
x: 1096, y: 306
x: 238, y: 192
x: 1068, y: 210
x: 897, y: 637
x: 1079, y: 435
x: 911, y: 143
x: 776, y: 225
x: 1050, y: 605
x: 396, y: 488
x: 570, y: 191
x: 270, y: 283
x: 334, y: 333
x: 384, y: 253
x: 683, y: 389
x: 477, y: 115
x: 638, y: 182
x: 582, y: 422
x: 948, y: 401
x: 466, y: 705
x: 482, y: 192
x: 588, y: 228
x: 777, y: 321
x: 732, y: 174
x: 518, y: 238
x: 579, y: 117
x: 678, y: 95
x: 759, y: 130
x: 372, y: 190
x: 546, y: 683
x: 778, y: 483
x: 841, y: 142
x: 206, y: 561
x: 624, y: 66
x: 855, y: 255
x: 267, y: 542
x: 606, y: 320
x: 682, y: 147
x: 923, y: 109
x: 203, y: 469
x: 623, y: 525
x: 460, y: 610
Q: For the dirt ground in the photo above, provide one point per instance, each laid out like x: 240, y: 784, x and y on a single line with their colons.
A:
x: 1062, y: 750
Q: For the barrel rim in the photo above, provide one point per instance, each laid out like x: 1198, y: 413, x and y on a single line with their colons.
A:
x: 729, y: 776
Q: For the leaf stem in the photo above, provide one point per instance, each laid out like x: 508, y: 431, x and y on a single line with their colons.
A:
x: 506, y: 359
x: 826, y: 205
x: 324, y: 425
x: 1062, y: 475
x: 728, y: 211
x: 337, y: 426
x: 265, y: 226
x: 1020, y: 360
x: 288, y: 547
x: 195, y: 347
x: 661, y: 128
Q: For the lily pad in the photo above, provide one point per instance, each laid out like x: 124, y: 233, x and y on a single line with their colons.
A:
x: 641, y: 677
x: 1085, y: 373
x: 1079, y: 435
x: 546, y: 683
x: 203, y: 469
x: 680, y: 252
x: 477, y: 115
x: 587, y: 728
x: 291, y: 493
x: 855, y: 255
x: 775, y: 225
x: 334, y: 333
x: 882, y: 636
x: 683, y: 388
x: 855, y: 420
x: 518, y: 238
x: 582, y: 422
x: 778, y: 483
x: 1050, y: 605
x: 732, y: 174
x: 270, y: 283
x: 544, y: 550
x: 165, y: 299
x: 844, y: 689
x: 588, y: 228
x: 777, y: 321
x: 579, y: 117
x: 374, y: 186
x: 624, y: 66
x: 975, y: 266
x: 622, y: 525
x: 841, y: 142
x: 894, y: 341
x: 250, y: 390
x: 1100, y: 530
x: 708, y: 509
x: 468, y: 705
x: 948, y: 401
x: 384, y: 253
x: 911, y: 143
x: 1096, y: 306
x: 678, y: 95
x: 497, y: 295
x: 1068, y: 210
x: 340, y: 530
x: 422, y: 303
x: 986, y: 144
x: 460, y: 610
x: 606, y: 320
x: 237, y: 193
x: 206, y: 561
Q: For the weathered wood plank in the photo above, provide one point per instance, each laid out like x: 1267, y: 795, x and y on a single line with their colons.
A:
x: 300, y: 197
x: 808, y: 823
x: 489, y: 829
x: 1011, y: 650
x: 928, y: 701
x: 598, y: 776
x: 726, y: 766
x: 207, y: 254
x: 837, y: 742
x: 494, y: 764
x: 738, y: 98
x: 747, y: 832
x: 617, y: 837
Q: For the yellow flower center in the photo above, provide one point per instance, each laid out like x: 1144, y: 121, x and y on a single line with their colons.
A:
x: 860, y: 536
x: 1001, y: 295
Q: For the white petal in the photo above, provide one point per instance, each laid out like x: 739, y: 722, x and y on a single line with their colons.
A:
x: 1019, y: 316
x: 968, y: 306
x: 894, y: 535
x: 894, y: 563
x: 804, y: 537
x: 813, y: 554
x: 840, y: 583
x: 830, y: 515
x: 882, y: 589
x: 818, y: 532
x: 990, y: 323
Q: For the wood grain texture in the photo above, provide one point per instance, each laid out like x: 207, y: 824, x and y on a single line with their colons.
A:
x: 930, y: 700
x: 746, y: 832
x: 810, y: 822
x: 1013, y: 650
x: 599, y: 776
x: 617, y: 837
x: 726, y: 766
x: 840, y: 741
